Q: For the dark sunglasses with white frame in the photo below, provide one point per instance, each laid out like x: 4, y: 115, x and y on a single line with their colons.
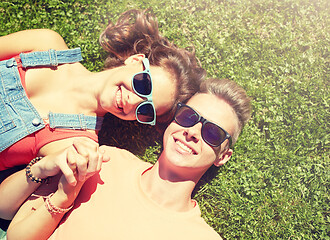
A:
x: 142, y: 86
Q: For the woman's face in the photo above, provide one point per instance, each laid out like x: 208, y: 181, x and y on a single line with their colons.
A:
x: 119, y: 98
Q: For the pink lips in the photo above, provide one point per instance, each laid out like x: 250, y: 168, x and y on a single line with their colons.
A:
x: 118, y: 98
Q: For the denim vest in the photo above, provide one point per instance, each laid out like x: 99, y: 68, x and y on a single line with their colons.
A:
x: 18, y: 117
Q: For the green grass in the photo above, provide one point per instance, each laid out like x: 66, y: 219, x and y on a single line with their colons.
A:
x: 277, y: 184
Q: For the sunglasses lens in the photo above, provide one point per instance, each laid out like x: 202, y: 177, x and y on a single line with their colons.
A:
x: 186, y: 117
x: 145, y: 113
x: 142, y: 83
x: 212, y: 134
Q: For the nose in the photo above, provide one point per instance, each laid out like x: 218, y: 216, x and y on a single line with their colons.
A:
x: 132, y: 101
x: 194, y: 133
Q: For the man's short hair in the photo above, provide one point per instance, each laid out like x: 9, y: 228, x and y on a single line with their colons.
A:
x: 234, y: 95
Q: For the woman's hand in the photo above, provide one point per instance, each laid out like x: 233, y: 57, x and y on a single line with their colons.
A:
x: 82, y: 159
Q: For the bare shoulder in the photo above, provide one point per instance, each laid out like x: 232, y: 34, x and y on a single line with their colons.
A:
x: 49, y: 38
x: 30, y: 40
x: 43, y: 39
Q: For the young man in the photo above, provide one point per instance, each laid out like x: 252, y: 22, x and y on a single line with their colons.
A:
x: 132, y: 199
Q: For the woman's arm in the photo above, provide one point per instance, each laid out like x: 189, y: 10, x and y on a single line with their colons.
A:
x: 15, y: 189
x: 30, y: 40
x: 35, y: 220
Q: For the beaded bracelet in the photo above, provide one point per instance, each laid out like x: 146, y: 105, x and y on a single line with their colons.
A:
x: 29, y: 173
x: 53, y: 209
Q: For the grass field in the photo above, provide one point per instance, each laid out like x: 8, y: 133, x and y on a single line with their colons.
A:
x: 277, y: 184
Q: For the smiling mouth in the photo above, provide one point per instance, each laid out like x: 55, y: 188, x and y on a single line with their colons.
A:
x: 119, y: 101
x: 184, y: 147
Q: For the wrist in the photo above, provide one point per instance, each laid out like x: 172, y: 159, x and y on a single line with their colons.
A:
x: 37, y: 171
x: 62, y: 200
x: 56, y: 205
x: 33, y: 171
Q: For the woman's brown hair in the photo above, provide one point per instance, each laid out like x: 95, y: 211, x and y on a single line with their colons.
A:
x: 136, y: 32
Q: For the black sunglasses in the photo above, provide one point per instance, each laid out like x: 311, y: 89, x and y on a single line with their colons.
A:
x: 142, y: 86
x: 212, y: 134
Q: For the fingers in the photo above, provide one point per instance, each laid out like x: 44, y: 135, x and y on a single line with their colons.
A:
x: 69, y: 168
x: 104, y: 153
x: 78, y: 162
x: 89, y: 161
x: 71, y: 159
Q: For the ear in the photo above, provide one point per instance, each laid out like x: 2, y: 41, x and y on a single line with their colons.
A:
x: 223, y: 157
x: 134, y: 59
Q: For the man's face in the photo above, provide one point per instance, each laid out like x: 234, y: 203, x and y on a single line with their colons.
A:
x: 185, y: 149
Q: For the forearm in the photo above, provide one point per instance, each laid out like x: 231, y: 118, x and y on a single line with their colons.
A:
x: 41, y: 222
x: 14, y: 190
x: 36, y: 220
x: 38, y: 225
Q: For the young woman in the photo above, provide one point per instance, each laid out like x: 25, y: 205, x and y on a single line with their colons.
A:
x: 48, y: 98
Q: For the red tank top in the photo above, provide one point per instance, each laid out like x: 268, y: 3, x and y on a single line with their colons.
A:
x: 23, y: 151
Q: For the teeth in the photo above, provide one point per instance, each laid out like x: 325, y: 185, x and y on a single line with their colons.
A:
x: 118, y: 99
x: 184, y: 147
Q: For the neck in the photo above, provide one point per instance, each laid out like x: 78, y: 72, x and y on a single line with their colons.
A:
x: 87, y: 88
x: 168, y: 190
